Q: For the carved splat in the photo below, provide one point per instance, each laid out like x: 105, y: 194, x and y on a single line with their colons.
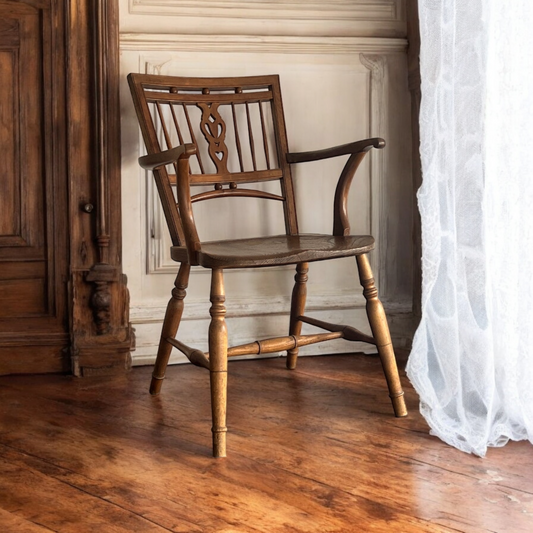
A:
x: 214, y: 130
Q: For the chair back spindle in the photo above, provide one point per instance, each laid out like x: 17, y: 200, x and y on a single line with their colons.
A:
x: 237, y: 128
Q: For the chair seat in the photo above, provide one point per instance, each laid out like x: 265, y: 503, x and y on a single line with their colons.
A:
x: 276, y: 250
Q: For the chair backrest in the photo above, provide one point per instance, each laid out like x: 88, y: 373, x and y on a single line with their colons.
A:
x: 238, y: 129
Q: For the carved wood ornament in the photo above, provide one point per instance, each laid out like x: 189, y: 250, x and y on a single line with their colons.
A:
x: 65, y: 301
x: 102, y: 336
x: 214, y: 129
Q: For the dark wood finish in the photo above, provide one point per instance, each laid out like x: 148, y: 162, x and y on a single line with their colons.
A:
x: 312, y: 451
x: 161, y: 102
x: 336, y: 151
x: 357, y: 151
x: 101, y: 335
x: 64, y: 298
x: 276, y: 250
x: 33, y: 193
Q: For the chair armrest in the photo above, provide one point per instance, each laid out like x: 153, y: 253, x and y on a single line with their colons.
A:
x: 345, y: 149
x: 341, y: 223
x: 153, y: 161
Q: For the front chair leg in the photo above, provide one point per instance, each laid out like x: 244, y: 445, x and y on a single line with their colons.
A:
x: 299, y: 294
x: 218, y: 357
x: 170, y: 327
x: 380, y: 331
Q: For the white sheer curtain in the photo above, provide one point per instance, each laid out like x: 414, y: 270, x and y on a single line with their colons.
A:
x: 472, y: 358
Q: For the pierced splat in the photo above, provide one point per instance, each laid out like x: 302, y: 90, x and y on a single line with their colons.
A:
x: 214, y: 130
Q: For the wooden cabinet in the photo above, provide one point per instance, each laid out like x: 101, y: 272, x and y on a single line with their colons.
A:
x: 63, y: 301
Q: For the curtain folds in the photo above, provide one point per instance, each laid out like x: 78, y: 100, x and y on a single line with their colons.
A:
x: 472, y: 357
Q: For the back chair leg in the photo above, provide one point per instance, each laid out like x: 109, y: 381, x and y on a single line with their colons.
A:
x: 299, y: 295
x: 380, y: 331
x: 170, y: 327
x: 218, y: 358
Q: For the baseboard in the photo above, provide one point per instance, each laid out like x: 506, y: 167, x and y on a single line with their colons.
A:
x: 263, y: 318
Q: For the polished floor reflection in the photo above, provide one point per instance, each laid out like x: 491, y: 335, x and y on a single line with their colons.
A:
x: 316, y: 449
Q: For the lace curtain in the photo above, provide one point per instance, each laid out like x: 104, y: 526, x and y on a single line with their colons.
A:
x: 472, y: 357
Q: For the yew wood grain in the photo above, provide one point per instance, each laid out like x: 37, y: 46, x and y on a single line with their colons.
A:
x: 33, y: 209
x: 277, y: 250
x: 312, y: 450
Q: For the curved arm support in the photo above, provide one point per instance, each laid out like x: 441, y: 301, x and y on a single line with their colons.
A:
x: 183, y: 186
x: 344, y: 149
x: 341, y: 224
x: 166, y: 157
x: 179, y: 156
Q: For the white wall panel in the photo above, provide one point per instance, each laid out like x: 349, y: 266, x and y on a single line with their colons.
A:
x: 335, y: 90
x: 265, y: 17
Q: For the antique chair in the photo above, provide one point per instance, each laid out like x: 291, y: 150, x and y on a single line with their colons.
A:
x: 184, y: 153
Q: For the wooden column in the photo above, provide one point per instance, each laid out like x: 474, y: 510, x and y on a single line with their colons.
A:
x: 63, y: 293
x: 100, y: 331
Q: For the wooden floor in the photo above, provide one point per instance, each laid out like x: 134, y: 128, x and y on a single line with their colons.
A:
x: 312, y: 450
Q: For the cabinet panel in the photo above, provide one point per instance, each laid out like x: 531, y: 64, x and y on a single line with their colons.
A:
x: 33, y: 228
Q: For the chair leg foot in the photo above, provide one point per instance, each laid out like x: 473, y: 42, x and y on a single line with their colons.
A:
x: 292, y: 358
x: 218, y: 405
x: 380, y: 331
x: 155, y: 385
x: 299, y: 295
x: 218, y: 360
x: 219, y: 444
x: 171, y: 323
x: 398, y: 404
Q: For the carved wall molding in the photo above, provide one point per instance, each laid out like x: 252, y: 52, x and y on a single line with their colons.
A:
x: 147, y: 42
x: 378, y: 109
x: 258, y: 306
x: 384, y: 10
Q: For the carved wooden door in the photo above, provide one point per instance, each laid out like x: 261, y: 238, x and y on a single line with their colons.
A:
x: 33, y: 188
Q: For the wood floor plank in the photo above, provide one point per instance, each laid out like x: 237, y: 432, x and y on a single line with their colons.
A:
x: 13, y: 524
x: 312, y: 450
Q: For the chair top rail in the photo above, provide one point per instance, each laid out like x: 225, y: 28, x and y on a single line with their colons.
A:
x: 222, y: 98
x: 157, y: 82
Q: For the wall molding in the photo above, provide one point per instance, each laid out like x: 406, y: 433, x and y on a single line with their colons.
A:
x: 356, y: 10
x: 377, y: 65
x: 147, y: 42
x: 256, y: 307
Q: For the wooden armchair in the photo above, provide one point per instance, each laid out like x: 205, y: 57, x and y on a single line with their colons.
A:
x: 184, y: 153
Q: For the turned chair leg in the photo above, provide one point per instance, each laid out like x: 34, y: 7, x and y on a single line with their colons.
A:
x: 170, y: 327
x: 380, y: 331
x: 299, y: 294
x: 218, y: 357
